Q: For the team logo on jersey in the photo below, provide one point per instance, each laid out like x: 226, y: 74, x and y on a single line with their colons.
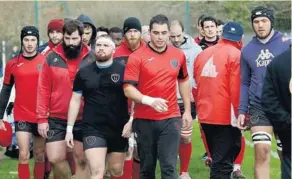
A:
x: 55, y: 60
x: 209, y: 69
x: 50, y: 134
x: 22, y: 125
x: 20, y: 64
x: 150, y: 59
x: 90, y: 140
x: 174, y: 63
x: 264, y: 58
x: 115, y: 77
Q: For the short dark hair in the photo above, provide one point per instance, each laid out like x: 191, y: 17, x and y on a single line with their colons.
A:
x: 115, y: 30
x: 208, y: 18
x: 71, y: 25
x: 178, y: 22
x: 220, y: 22
x: 159, y: 19
x: 103, y: 29
x: 201, y: 17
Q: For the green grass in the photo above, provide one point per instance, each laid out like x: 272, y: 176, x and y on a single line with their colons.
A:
x: 197, y: 169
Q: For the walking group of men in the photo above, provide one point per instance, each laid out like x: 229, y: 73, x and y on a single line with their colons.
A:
x: 119, y: 100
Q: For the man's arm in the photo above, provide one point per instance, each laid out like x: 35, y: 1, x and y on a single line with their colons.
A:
x: 185, y: 91
x: 184, y: 85
x: 44, y: 93
x: 271, y: 104
x: 75, y: 101
x: 245, y: 75
x: 234, y: 85
x: 133, y: 93
x: 4, y: 98
x: 8, y: 83
x: 74, y: 108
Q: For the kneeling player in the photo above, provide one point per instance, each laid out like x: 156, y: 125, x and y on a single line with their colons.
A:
x: 105, y: 111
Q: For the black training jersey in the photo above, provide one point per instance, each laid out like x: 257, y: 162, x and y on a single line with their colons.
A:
x: 105, y: 106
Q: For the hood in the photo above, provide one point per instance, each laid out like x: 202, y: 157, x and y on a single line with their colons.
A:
x: 189, y: 43
x: 276, y: 35
x: 86, y: 20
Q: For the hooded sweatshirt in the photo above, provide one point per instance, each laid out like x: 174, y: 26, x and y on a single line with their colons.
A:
x: 255, y: 58
x: 86, y: 20
x: 191, y: 51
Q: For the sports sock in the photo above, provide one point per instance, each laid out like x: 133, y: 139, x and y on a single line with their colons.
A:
x: 23, y: 171
x: 39, y: 170
x: 240, y: 156
x: 136, y: 169
x: 185, y: 151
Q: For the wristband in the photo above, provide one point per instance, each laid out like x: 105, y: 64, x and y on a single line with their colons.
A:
x: 147, y: 100
x: 69, y: 129
x: 131, y: 119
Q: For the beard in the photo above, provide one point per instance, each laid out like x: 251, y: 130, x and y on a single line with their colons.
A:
x: 102, y: 57
x: 133, y: 42
x: 72, y: 51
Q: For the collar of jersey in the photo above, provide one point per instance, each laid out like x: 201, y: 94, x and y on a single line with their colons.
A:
x: 148, y: 44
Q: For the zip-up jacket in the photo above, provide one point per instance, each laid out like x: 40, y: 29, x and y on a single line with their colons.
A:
x: 217, y: 74
x: 56, y: 82
x: 46, y: 48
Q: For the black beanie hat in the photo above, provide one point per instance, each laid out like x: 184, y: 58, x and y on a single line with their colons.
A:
x: 132, y: 23
x: 29, y: 30
x: 261, y: 11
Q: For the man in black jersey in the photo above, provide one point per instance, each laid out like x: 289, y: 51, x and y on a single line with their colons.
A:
x: 105, y: 111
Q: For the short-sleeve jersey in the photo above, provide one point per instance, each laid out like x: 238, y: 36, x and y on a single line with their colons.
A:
x: 155, y: 74
x: 105, y: 106
x: 24, y: 74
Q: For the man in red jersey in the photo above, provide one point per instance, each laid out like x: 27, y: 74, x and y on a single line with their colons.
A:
x: 150, y: 81
x: 132, y: 42
x: 55, y: 34
x: 54, y: 94
x: 23, y: 71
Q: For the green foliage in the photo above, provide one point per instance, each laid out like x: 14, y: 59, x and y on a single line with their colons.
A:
x: 238, y: 11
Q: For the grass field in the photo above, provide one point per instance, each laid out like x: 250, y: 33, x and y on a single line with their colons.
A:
x: 198, y: 170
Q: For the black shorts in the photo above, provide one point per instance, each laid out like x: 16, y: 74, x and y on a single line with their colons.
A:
x: 258, y: 118
x: 193, y: 109
x: 93, y: 139
x: 23, y: 126
x: 57, y: 130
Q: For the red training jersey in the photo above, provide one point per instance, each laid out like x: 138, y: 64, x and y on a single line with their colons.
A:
x: 155, y: 74
x: 24, y: 74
